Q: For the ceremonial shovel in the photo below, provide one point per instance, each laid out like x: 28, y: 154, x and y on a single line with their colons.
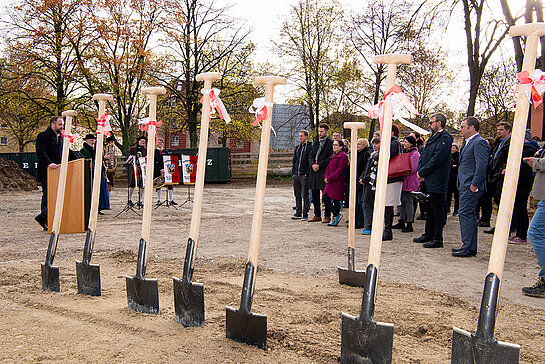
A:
x: 50, y: 274
x: 351, y: 276
x: 189, y: 296
x: 142, y: 293
x: 363, y: 340
x: 88, y: 275
x: 242, y: 325
x: 482, y: 347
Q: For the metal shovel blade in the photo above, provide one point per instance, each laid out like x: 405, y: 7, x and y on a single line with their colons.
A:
x: 246, y: 327
x: 354, y: 278
x: 465, y: 349
x: 88, y: 277
x: 50, y: 278
x: 366, y: 342
x: 143, y: 295
x: 189, y: 303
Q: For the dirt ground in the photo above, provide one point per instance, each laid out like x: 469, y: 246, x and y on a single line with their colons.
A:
x: 423, y: 292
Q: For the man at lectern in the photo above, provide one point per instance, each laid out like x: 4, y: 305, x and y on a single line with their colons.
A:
x: 49, y: 152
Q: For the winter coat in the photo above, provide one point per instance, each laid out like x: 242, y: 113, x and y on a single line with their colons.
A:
x: 316, y: 179
x: 363, y: 159
x: 538, y: 191
x: 526, y: 176
x: 410, y: 182
x: 49, y: 150
x: 434, y: 164
x: 300, y: 164
x: 334, y: 174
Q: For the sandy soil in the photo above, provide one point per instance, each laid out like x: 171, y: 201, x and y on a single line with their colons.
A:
x: 423, y: 292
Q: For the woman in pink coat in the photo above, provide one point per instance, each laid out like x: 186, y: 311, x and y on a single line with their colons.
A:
x: 334, y: 182
x: 410, y: 183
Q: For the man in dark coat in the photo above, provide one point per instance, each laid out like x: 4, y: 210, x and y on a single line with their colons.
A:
x: 299, y: 171
x: 49, y: 152
x: 138, y: 150
x: 498, y: 163
x: 433, y: 171
x: 318, y: 161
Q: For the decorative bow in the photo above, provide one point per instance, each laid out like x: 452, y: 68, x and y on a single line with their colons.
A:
x: 144, y: 126
x: 259, y: 108
x: 216, y: 103
x: 399, y: 101
x: 70, y: 137
x: 534, y: 84
x: 104, y: 121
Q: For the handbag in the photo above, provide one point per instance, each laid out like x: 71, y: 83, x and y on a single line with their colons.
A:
x: 400, y: 165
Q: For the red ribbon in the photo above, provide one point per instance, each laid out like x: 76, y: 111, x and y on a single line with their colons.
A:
x: 70, y: 137
x: 261, y: 115
x: 145, y: 126
x: 525, y: 79
x: 102, y: 122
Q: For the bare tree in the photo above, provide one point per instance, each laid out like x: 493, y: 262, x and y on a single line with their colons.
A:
x: 201, y: 38
x: 309, y: 38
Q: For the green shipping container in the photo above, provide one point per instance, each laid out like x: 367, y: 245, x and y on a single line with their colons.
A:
x: 218, y: 163
x: 27, y: 161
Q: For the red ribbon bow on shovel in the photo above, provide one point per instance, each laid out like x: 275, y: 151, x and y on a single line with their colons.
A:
x: 70, y: 137
x: 145, y: 126
x: 104, y: 121
x: 537, y: 82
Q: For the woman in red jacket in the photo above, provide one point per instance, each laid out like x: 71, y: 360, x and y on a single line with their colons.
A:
x: 334, y: 181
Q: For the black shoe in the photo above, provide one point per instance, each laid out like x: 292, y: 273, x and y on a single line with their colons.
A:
x: 489, y: 231
x: 130, y: 203
x: 464, y: 253
x: 100, y: 212
x: 173, y: 203
x: 41, y: 220
x: 296, y: 217
x: 387, y: 236
x: 483, y: 224
x: 421, y: 217
x: 421, y: 239
x: 537, y: 290
x: 408, y: 228
x: 454, y: 250
x: 433, y: 244
x: 399, y: 225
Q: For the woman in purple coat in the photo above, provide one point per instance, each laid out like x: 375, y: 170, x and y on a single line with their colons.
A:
x: 334, y: 181
x: 410, y: 183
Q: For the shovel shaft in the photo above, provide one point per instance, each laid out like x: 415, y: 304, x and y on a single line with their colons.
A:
x: 247, y: 289
x: 188, y: 261
x: 487, y: 314
x: 351, y: 259
x: 507, y: 201
x: 51, y: 248
x: 141, y: 261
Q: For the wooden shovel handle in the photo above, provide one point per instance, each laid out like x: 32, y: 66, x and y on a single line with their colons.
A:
x: 150, y: 155
x: 532, y: 29
x: 97, y: 173
x: 383, y: 160
x: 59, y: 203
x: 201, y: 159
x: 354, y: 127
x: 507, y: 200
x: 257, y: 220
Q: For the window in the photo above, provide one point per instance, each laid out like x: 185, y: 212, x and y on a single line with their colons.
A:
x: 175, y: 141
x: 3, y: 140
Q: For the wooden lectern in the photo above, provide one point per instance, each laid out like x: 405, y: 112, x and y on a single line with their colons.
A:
x: 77, y: 197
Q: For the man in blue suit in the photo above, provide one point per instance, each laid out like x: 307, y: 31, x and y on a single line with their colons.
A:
x: 471, y: 184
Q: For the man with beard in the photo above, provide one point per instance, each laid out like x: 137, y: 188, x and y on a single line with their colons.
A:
x: 318, y: 160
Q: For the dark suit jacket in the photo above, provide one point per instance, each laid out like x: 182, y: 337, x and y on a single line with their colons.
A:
x: 299, y: 163
x: 48, y: 150
x: 316, y: 179
x: 473, y: 163
x: 434, y: 163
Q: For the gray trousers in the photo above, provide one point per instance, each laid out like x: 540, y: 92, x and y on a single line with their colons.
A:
x: 406, y: 211
x: 300, y: 190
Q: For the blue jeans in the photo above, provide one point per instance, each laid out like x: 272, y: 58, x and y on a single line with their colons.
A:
x: 536, y: 234
x: 43, y: 205
x: 359, y: 208
x: 467, y: 215
x: 331, y: 205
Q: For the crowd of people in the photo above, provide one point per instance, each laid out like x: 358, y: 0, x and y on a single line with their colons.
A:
x: 466, y: 178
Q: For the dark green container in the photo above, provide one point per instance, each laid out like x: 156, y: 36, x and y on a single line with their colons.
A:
x: 27, y: 161
x: 218, y: 163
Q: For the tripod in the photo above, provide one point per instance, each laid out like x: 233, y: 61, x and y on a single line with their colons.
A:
x: 189, y: 198
x: 130, y: 206
x: 166, y: 202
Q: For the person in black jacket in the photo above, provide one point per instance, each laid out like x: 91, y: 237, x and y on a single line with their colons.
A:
x: 453, y: 177
x: 362, y: 159
x: 318, y: 160
x: 299, y: 171
x: 433, y: 170
x: 49, y: 152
